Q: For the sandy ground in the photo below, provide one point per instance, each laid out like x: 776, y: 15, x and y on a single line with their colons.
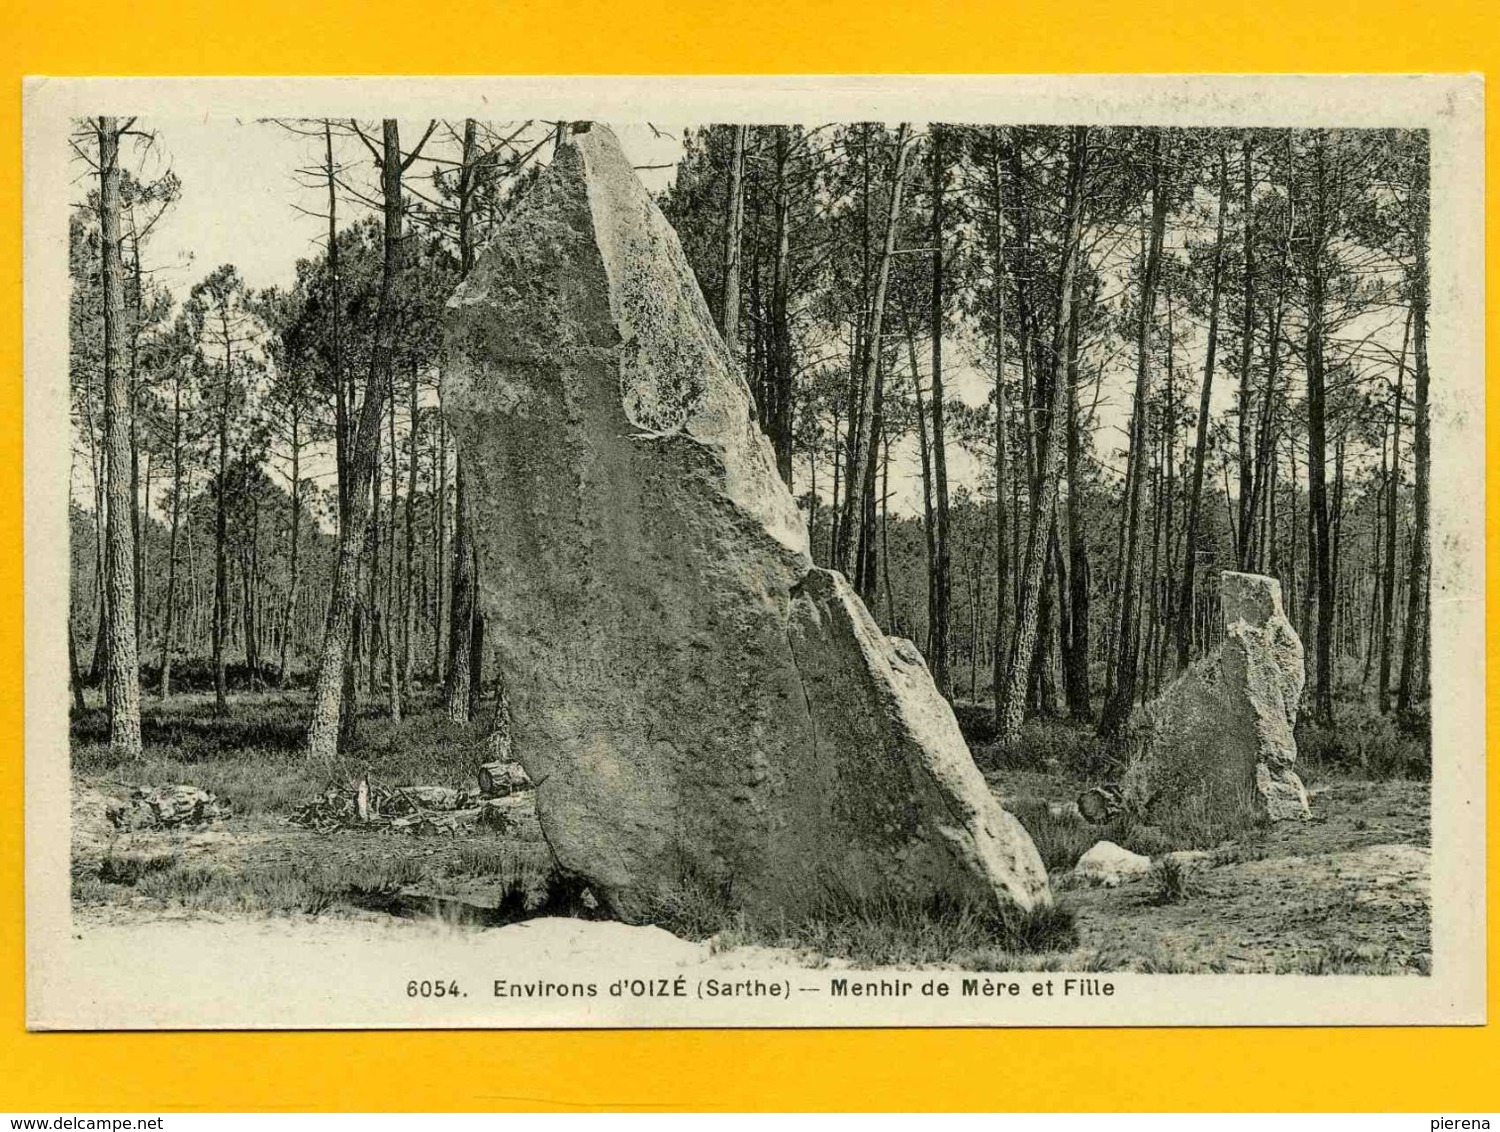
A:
x: 1348, y: 891
x: 1351, y: 888
x: 568, y: 944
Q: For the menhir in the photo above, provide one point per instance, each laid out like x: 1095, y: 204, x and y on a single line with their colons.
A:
x: 1217, y: 747
x: 699, y: 706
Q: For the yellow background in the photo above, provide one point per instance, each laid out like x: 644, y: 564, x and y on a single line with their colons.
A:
x: 1450, y: 1070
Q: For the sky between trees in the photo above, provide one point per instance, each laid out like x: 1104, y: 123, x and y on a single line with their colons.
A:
x: 243, y: 202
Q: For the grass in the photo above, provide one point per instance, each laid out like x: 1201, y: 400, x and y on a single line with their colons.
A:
x: 253, y: 760
x: 1340, y: 960
x: 273, y: 887
x: 1062, y: 838
x: 1203, y: 822
x: 364, y: 872
x: 253, y: 757
x: 868, y: 929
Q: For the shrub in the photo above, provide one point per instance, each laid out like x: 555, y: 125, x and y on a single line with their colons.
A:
x: 1365, y: 743
x: 977, y: 722
x: 1172, y: 885
x: 1062, y: 746
x: 196, y: 674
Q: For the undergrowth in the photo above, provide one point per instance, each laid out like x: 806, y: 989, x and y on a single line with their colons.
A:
x: 356, y: 872
x: 1365, y: 743
x: 253, y: 756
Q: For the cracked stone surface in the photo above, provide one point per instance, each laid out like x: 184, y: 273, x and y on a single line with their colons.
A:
x: 699, y: 706
x: 1218, y: 744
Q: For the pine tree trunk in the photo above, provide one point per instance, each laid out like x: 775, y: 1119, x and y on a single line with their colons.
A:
x: 854, y: 525
x: 929, y: 530
x: 1153, y: 575
x: 124, y: 669
x: 462, y: 679
x: 1200, y: 444
x: 1247, y: 338
x: 885, y: 533
x: 169, y: 633
x: 778, y: 413
x: 1392, y: 506
x: 348, y: 705
x: 1335, y: 546
x: 1076, y: 655
x: 247, y: 616
x: 845, y: 542
x: 734, y: 220
x: 476, y: 653
x: 1118, y: 706
x: 323, y: 730
x: 373, y: 572
x: 138, y: 565
x: 1165, y: 591
x: 924, y: 449
x: 942, y: 584
x: 392, y: 673
x: 461, y: 631
x: 440, y: 541
x: 408, y: 596
x: 1414, y: 645
x: 75, y: 679
x: 253, y: 622
x: 98, y: 466
x: 868, y: 569
x: 1057, y: 652
x: 1014, y: 698
x: 1320, y: 559
x: 1002, y: 435
x: 1262, y: 500
x: 973, y: 634
x: 1377, y: 571
x: 195, y: 588
x: 221, y: 533
x: 834, y: 497
x: 294, y: 529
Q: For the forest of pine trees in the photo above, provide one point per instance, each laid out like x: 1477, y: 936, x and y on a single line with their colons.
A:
x: 1107, y: 363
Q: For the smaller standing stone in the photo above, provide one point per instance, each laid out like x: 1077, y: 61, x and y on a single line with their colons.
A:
x: 1218, y: 745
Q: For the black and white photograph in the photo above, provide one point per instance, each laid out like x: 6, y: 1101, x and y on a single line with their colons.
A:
x: 712, y: 552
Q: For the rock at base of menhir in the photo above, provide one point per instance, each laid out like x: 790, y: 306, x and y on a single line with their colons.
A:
x: 1217, y: 746
x: 1110, y: 866
x: 499, y: 779
x: 705, y: 714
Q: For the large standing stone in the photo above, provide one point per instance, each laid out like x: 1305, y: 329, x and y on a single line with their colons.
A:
x: 697, y: 704
x: 1219, y: 740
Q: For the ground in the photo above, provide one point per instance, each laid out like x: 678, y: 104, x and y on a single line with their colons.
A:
x: 1344, y: 893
